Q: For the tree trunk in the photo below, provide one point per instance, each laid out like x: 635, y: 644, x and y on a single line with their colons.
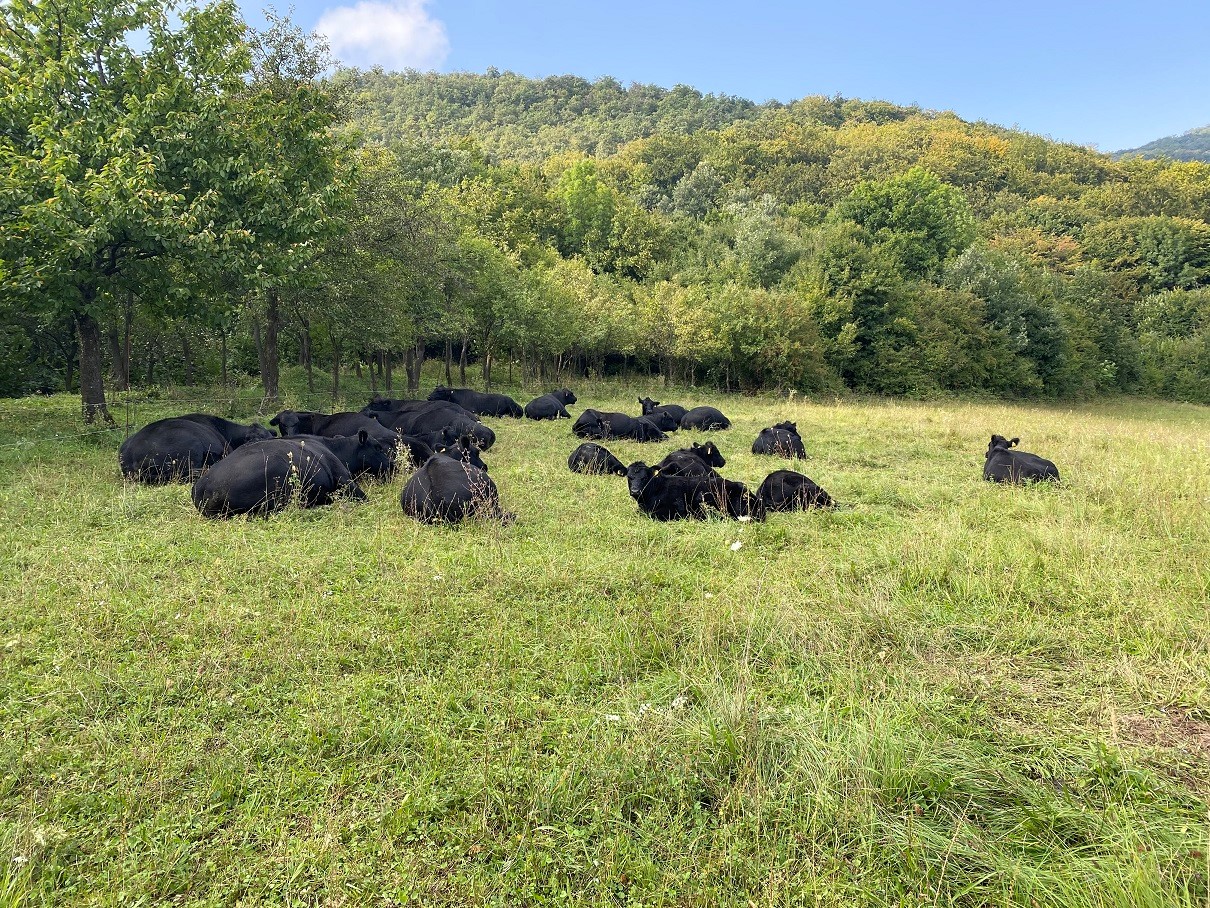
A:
x: 186, y: 354
x: 390, y: 368
x: 462, y: 363
x: 335, y: 371
x: 92, y: 380
x: 223, y: 338
x: 307, y: 360
x: 413, y: 363
x: 374, y: 373
x: 126, y: 339
x: 119, y: 368
x: 487, y: 371
x: 357, y: 367
x: 153, y: 350
x: 270, y: 372
x: 449, y: 356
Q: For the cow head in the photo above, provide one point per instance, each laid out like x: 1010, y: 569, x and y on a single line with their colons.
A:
x: 638, y: 474
x: 257, y: 432
x: 441, y: 392
x: 648, y: 405
x: 564, y: 396
x: 1000, y: 443
x: 465, y: 450
x: 286, y: 422
x: 788, y: 427
x: 709, y: 453
x: 373, y: 455
x: 378, y: 404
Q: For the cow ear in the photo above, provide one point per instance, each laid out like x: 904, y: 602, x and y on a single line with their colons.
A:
x: 1014, y: 442
x: 363, y: 436
x: 466, y: 441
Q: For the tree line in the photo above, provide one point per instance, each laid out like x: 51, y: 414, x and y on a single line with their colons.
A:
x: 214, y: 204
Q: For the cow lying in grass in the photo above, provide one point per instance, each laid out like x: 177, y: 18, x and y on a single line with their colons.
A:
x: 781, y: 440
x: 785, y: 490
x: 265, y: 476
x: 678, y: 497
x: 452, y: 485
x: 652, y: 407
x: 1001, y: 464
x: 551, y: 406
x: 705, y: 419
x: 603, y: 426
x: 593, y: 458
x: 478, y: 402
x: 696, y: 460
x: 180, y: 448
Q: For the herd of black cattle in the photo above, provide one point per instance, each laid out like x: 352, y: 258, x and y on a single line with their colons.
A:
x: 247, y: 469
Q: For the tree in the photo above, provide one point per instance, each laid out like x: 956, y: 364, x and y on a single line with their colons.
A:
x: 290, y: 168
x: 920, y: 219
x: 110, y: 157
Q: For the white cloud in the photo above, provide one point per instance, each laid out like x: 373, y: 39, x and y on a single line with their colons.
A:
x: 394, y: 34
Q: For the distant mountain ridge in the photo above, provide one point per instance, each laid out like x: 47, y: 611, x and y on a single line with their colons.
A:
x: 1193, y: 145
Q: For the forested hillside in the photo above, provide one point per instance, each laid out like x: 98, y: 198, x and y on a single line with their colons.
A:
x: 1193, y: 145
x: 567, y: 225
x: 527, y: 119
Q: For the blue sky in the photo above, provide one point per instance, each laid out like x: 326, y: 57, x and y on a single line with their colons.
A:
x: 1111, y: 74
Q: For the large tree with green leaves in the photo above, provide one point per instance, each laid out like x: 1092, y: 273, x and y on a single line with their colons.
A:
x: 112, y: 157
x: 138, y: 157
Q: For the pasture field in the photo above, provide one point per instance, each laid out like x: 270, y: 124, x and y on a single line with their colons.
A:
x: 945, y: 693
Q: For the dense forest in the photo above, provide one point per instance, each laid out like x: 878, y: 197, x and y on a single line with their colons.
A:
x: 251, y: 211
x: 1193, y: 145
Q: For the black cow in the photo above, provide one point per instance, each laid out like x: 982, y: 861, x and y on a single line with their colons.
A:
x: 664, y: 497
x: 439, y: 416
x: 333, y: 425
x: 592, y: 458
x: 362, y: 454
x: 235, y: 433
x: 1004, y: 465
x: 479, y: 403
x: 170, y: 450
x: 781, y: 440
x: 697, y: 460
x: 785, y: 490
x: 551, y: 406
x: 449, y: 488
x: 662, y: 420
x: 379, y: 406
x: 603, y: 426
x: 180, y: 447
x: 650, y: 407
x: 705, y: 419
x: 265, y: 476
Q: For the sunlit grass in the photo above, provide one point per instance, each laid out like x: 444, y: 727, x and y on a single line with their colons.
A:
x: 944, y: 692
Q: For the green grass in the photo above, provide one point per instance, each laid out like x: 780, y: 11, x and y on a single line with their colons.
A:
x: 947, y: 693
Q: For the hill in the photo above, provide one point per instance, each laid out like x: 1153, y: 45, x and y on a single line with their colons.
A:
x: 521, y: 118
x: 1193, y: 145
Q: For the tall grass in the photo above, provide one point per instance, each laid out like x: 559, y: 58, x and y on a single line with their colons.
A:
x: 944, y: 693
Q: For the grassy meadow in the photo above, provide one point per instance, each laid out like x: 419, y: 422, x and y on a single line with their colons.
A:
x: 945, y: 692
